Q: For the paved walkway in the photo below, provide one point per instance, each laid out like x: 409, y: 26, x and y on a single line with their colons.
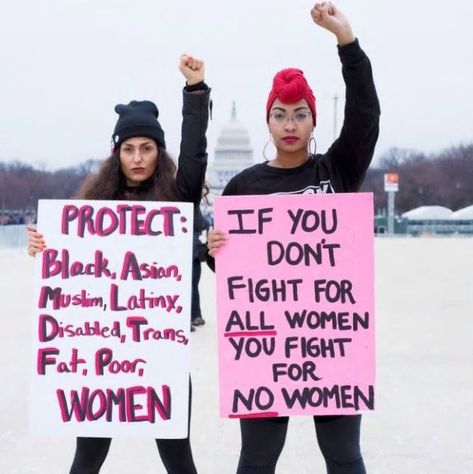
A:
x: 424, y: 418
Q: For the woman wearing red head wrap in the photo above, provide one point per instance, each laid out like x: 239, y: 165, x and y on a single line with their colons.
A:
x: 291, y: 116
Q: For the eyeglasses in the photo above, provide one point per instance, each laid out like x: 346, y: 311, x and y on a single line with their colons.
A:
x: 281, y: 117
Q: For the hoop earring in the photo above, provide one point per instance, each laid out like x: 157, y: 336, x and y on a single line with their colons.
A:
x: 270, y: 140
x: 312, y: 141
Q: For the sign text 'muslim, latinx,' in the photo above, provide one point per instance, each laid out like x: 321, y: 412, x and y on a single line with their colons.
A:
x: 54, y: 298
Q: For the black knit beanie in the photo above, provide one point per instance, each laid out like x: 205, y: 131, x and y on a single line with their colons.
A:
x: 137, y: 119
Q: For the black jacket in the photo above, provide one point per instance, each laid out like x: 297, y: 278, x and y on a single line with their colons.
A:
x: 192, y: 162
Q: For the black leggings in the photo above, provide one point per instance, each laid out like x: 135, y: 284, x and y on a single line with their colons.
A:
x: 338, y: 438
x: 90, y: 454
x: 176, y: 454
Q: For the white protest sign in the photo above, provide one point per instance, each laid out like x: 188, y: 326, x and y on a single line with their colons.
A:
x: 111, y: 319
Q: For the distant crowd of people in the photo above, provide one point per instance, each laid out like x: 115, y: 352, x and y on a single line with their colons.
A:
x: 16, y: 218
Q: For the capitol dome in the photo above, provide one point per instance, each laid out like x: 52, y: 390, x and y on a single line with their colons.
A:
x: 234, y: 136
x: 233, y: 153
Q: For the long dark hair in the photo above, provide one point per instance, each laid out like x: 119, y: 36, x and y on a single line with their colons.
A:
x: 109, y: 182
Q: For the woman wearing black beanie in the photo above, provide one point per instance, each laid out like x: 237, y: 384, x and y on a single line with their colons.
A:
x: 140, y: 168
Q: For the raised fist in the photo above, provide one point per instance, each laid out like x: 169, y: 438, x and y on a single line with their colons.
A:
x: 192, y: 69
x: 328, y: 16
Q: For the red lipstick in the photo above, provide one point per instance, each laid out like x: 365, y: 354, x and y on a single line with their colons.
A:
x: 290, y: 139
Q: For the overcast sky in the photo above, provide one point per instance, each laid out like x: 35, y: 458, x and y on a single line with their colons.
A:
x: 66, y: 63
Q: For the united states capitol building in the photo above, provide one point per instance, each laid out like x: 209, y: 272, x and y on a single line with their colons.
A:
x: 233, y: 153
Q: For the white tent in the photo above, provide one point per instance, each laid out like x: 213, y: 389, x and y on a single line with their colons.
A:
x: 425, y: 213
x: 465, y: 214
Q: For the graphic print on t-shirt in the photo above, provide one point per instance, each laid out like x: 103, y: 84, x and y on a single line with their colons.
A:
x: 325, y: 187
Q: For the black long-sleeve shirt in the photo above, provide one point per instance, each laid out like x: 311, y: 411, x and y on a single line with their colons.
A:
x: 342, y: 168
x: 192, y: 162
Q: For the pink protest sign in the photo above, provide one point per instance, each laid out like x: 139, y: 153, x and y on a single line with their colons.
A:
x: 295, y: 298
x: 111, y: 319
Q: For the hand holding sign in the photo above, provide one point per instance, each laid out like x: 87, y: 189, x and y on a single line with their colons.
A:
x: 215, y: 239
x: 36, y: 241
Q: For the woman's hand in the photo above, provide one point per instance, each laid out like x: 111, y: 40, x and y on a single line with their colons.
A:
x: 192, y: 69
x: 215, y: 240
x: 36, y: 241
x: 328, y: 16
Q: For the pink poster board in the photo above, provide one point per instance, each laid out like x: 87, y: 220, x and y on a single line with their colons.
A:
x: 111, y: 319
x: 295, y: 299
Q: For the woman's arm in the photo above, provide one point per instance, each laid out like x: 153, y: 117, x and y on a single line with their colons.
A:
x: 195, y: 115
x: 351, y: 154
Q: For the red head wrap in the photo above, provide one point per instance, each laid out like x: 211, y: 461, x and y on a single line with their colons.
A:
x: 290, y: 86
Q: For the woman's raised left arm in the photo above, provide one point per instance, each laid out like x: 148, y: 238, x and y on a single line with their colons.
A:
x: 195, y: 115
